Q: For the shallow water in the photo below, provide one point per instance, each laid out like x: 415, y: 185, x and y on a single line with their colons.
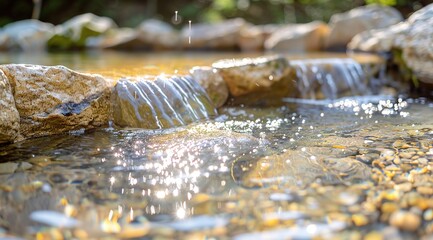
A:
x: 229, y: 177
x: 304, y: 169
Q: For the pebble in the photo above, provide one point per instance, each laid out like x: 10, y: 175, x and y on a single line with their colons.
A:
x: 359, y: 220
x: 405, y: 220
x: 425, y: 190
x: 428, y: 215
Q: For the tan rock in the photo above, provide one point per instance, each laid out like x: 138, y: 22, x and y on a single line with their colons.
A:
x: 223, y: 35
x: 344, y: 26
x: 213, y: 83
x: 299, y: 37
x: 9, y: 118
x: 55, y: 99
x: 404, y: 220
x: 248, y: 75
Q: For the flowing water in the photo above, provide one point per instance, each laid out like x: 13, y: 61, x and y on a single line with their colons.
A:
x: 306, y: 168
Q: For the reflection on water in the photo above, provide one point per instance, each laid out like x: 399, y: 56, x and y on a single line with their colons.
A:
x: 248, y: 173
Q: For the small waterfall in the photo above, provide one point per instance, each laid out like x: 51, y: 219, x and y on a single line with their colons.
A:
x: 161, y: 103
x: 330, y: 78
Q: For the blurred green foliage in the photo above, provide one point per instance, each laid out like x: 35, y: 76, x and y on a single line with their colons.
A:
x: 131, y: 12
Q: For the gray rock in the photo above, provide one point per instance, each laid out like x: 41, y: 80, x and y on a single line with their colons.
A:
x: 8, y: 167
x: 413, y: 37
x: 298, y: 37
x: 79, y: 31
x: 55, y: 99
x: 9, y: 118
x: 344, y: 26
x: 223, y: 35
x: 26, y: 35
x: 213, y: 83
x: 253, y: 37
x: 158, y: 34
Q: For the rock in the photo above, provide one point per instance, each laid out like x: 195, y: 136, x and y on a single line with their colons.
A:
x: 121, y: 38
x: 404, y: 220
x: 159, y: 102
x: 8, y: 167
x: 78, y: 31
x: 213, y: 83
x: 344, y: 26
x: 26, y: 35
x: 413, y: 38
x: 55, y: 99
x: 298, y: 38
x: 223, y: 35
x: 158, y: 34
x: 260, y: 78
x: 9, y: 117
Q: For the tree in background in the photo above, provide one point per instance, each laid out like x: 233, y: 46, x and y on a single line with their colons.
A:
x: 131, y: 12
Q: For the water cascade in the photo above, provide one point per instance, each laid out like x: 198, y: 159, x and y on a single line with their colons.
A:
x: 330, y: 78
x: 160, y: 103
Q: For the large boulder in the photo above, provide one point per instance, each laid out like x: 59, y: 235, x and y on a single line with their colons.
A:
x: 223, y: 35
x: 298, y: 38
x: 26, y: 35
x: 158, y: 34
x: 79, y: 31
x: 253, y: 37
x: 344, y: 26
x: 9, y: 118
x: 55, y: 99
x: 213, y: 83
x: 413, y: 38
x: 257, y: 80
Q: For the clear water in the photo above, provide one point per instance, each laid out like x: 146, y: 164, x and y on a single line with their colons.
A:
x: 250, y: 173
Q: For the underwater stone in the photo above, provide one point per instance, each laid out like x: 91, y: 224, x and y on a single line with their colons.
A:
x: 159, y: 102
x: 9, y: 117
x: 213, y: 83
x: 298, y: 37
x: 344, y: 26
x: 55, y: 99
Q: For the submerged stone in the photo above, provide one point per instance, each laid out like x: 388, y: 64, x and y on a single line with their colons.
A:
x: 55, y: 99
x: 9, y: 117
x: 162, y: 102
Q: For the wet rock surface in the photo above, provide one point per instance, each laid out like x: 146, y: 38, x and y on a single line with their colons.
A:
x: 251, y: 77
x: 53, y: 100
x: 159, y: 102
x: 213, y: 83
